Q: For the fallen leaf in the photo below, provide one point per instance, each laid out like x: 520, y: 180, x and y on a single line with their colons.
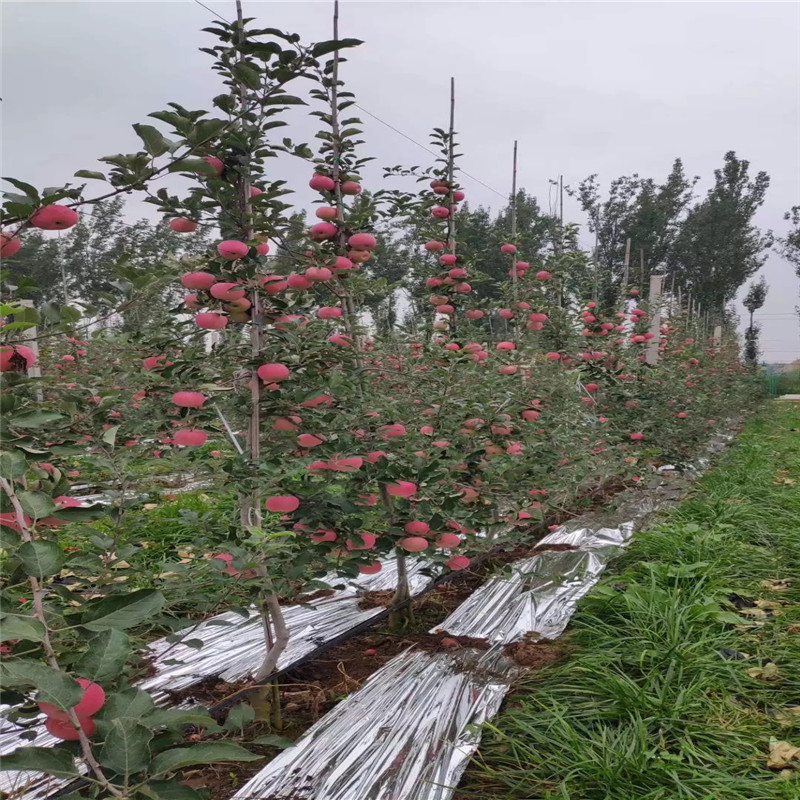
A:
x: 780, y: 585
x: 781, y: 754
x: 785, y: 482
x: 758, y: 613
x: 769, y: 605
x: 786, y: 716
x: 769, y: 672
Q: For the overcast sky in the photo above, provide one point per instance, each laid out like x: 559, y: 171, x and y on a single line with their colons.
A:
x: 612, y: 88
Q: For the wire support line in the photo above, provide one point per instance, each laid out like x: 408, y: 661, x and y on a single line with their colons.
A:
x: 427, y: 149
x: 215, y: 13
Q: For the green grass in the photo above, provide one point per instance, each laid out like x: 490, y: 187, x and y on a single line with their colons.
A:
x: 652, y: 703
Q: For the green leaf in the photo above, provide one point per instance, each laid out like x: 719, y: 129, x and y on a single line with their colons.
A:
x: 9, y: 538
x: 87, y: 514
x: 169, y: 790
x: 106, y: 656
x: 193, y: 165
x: 207, y: 129
x: 239, y: 716
x: 132, y: 703
x: 246, y: 74
x: 24, y: 187
x: 110, y: 435
x: 201, y: 753
x: 13, y: 464
x: 41, y: 558
x: 127, y: 747
x: 40, y: 759
x: 323, y: 48
x: 37, y: 504
x: 18, y: 326
x: 729, y: 618
x: 177, y: 717
x: 152, y: 138
x: 274, y: 741
x: 37, y: 419
x: 54, y: 686
x: 284, y: 100
x: 21, y: 626
x: 19, y: 209
x: 123, y: 611
x: 88, y: 173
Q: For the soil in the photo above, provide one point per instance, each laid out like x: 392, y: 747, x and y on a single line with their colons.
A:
x: 553, y: 548
x: 307, y: 598
x: 310, y: 690
x: 208, y: 692
x: 531, y: 652
x: 524, y: 551
x: 146, y: 667
x: 377, y: 599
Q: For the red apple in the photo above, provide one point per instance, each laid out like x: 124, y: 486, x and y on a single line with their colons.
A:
x: 182, y: 225
x: 90, y: 703
x: 198, y: 280
x: 190, y: 438
x: 231, y: 249
x: 283, y: 504
x: 54, y: 218
x: 211, y: 320
x: 322, y: 230
x: 9, y: 246
x: 414, y: 544
x: 272, y: 373
x: 16, y: 358
x: 64, y: 729
x: 362, y: 241
x: 189, y: 399
x: 322, y: 183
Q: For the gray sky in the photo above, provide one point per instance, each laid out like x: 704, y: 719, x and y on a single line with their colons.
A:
x: 612, y: 88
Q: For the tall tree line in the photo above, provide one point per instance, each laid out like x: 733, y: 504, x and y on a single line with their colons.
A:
x: 706, y: 247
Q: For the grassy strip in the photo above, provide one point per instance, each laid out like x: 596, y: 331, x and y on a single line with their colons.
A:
x: 674, y: 690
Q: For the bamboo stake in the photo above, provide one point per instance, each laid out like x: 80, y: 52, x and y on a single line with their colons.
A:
x: 671, y: 294
x: 348, y: 304
x: 654, y: 301
x: 641, y: 268
x: 627, y: 264
x: 31, y: 336
x: 514, y: 278
x: 596, y: 289
x: 451, y: 222
x: 250, y: 512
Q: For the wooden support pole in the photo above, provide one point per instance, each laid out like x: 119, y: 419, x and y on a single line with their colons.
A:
x: 627, y: 265
x: 31, y: 336
x: 717, y: 337
x: 654, y: 301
